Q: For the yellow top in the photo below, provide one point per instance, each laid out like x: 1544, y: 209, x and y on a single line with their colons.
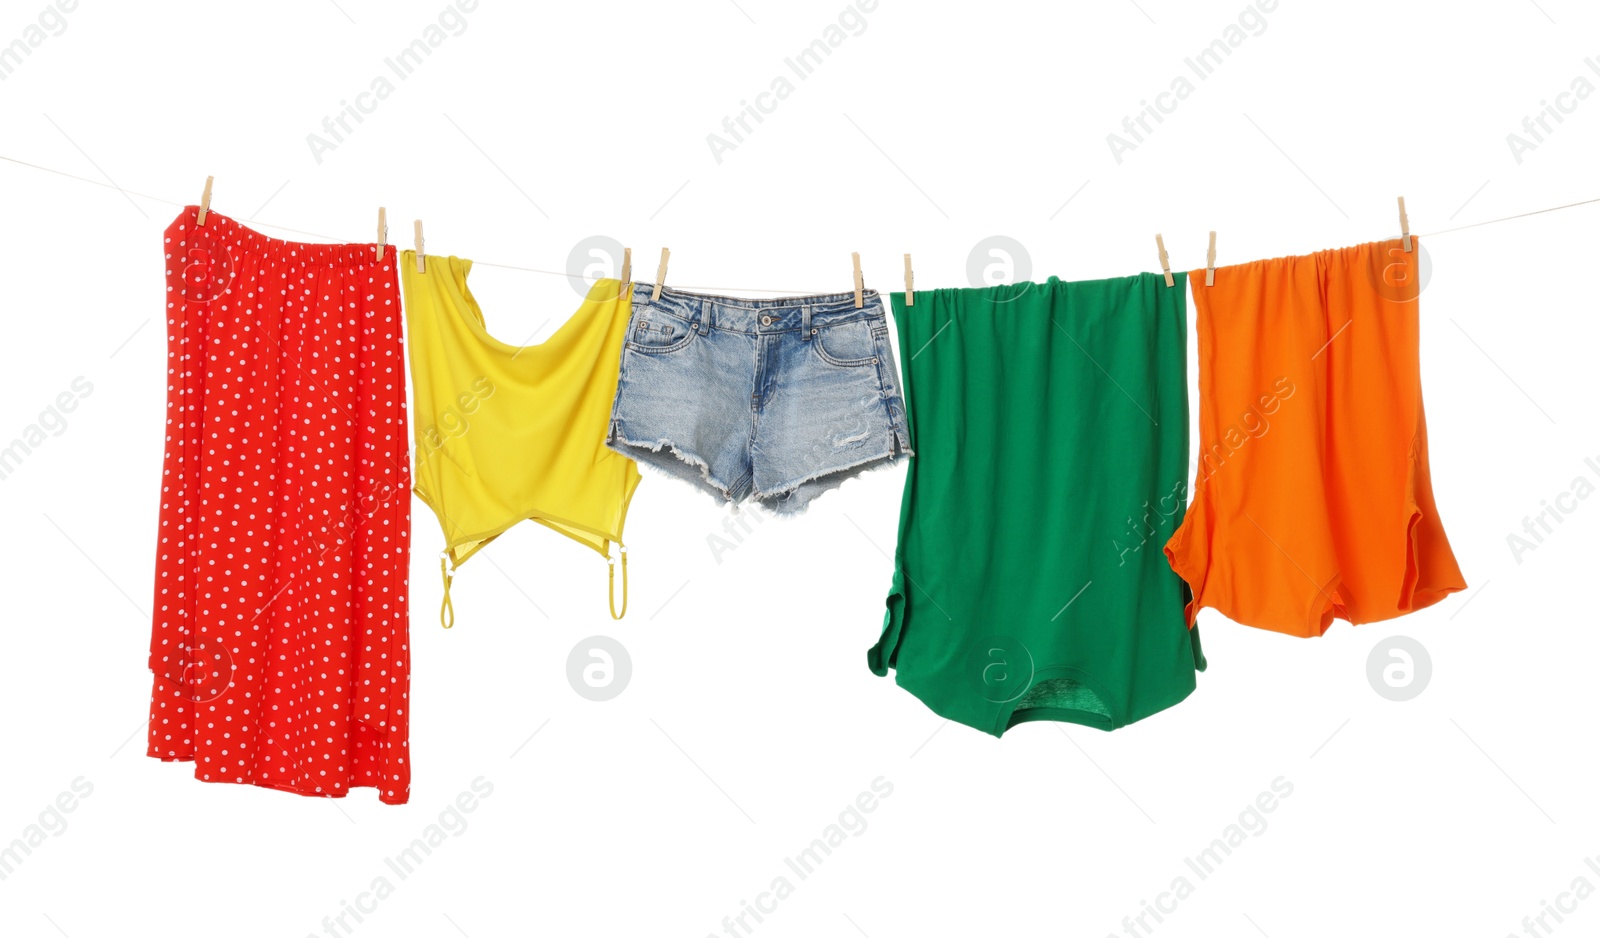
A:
x: 505, y: 433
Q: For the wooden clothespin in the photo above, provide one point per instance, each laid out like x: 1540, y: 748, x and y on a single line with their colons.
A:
x: 627, y: 265
x: 661, y: 275
x: 911, y: 297
x: 1166, y: 268
x: 416, y: 228
x: 1211, y: 261
x: 1405, y: 227
x: 205, y: 202
x: 383, y: 230
x: 855, y: 261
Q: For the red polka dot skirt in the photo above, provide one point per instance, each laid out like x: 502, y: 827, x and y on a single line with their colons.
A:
x: 279, y: 641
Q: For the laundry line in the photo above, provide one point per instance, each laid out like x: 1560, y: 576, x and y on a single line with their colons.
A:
x: 337, y: 240
x: 561, y: 273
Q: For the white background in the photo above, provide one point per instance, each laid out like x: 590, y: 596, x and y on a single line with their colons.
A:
x: 751, y: 721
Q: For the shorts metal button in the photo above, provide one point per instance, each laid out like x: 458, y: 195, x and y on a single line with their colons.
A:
x: 766, y: 320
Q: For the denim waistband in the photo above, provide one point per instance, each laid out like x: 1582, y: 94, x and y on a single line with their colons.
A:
x: 782, y: 314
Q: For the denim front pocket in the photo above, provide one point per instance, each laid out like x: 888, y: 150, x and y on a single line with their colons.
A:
x: 848, y: 344
x: 657, y: 331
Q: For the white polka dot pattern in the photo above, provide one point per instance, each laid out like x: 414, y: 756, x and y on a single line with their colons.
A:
x: 279, y: 643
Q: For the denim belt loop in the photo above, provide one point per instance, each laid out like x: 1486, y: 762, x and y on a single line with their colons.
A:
x: 702, y: 319
x: 805, y: 324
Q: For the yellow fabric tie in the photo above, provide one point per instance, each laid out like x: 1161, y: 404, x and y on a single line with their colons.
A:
x: 611, y: 586
x: 447, y: 612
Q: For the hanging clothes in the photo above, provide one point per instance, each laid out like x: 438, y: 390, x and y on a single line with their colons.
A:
x: 279, y: 642
x: 1051, y: 436
x: 508, y: 433
x: 1313, y: 498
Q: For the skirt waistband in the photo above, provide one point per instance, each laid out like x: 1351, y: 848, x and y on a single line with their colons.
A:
x: 220, y: 231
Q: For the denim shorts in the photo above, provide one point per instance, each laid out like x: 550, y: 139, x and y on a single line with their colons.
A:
x: 776, y: 401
